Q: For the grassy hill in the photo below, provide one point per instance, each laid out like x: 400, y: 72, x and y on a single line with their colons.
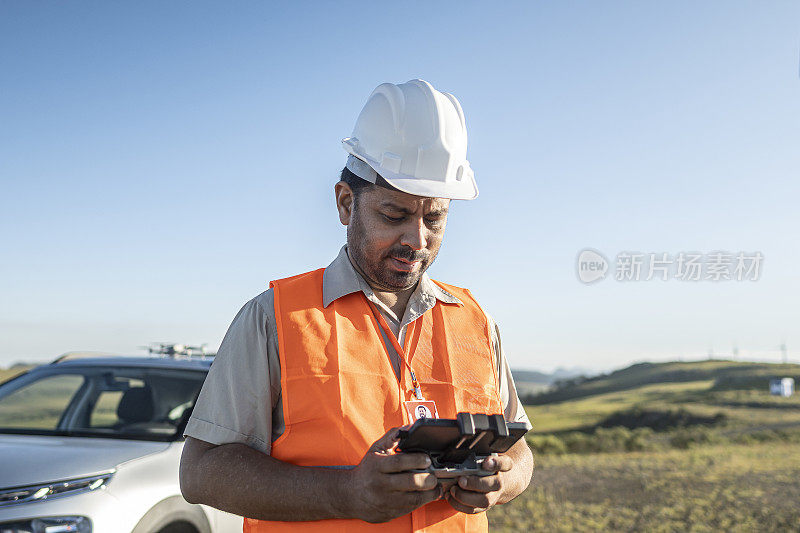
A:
x: 649, y: 395
x: 725, y: 375
x: 680, y: 446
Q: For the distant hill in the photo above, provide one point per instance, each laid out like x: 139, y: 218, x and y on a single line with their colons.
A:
x: 535, y: 376
x: 532, y: 376
x: 14, y: 370
x: 725, y: 374
x: 534, y: 382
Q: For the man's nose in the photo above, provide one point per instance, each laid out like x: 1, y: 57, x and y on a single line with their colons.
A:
x: 414, y: 235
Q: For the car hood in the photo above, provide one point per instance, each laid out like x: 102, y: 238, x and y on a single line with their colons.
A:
x: 31, y: 459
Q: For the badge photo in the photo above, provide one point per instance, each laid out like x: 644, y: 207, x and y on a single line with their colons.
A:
x: 417, y: 409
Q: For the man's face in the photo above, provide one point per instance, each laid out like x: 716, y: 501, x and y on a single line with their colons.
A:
x: 393, y: 237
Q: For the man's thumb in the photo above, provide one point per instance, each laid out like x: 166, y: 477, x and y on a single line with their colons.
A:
x: 387, y: 442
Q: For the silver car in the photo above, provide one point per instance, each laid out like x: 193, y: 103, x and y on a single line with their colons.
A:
x: 94, y: 445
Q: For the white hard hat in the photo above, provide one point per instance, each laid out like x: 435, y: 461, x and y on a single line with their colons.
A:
x: 415, y: 138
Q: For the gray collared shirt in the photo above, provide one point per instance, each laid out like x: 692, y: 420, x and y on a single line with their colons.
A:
x: 241, y: 398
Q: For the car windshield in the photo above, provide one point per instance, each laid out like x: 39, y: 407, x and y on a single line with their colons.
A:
x: 110, y: 402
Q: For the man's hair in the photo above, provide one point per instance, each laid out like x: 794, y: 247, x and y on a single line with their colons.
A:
x: 356, y: 184
x: 359, y: 185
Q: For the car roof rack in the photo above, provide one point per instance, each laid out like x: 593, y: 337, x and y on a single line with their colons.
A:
x: 69, y: 356
x: 167, y: 350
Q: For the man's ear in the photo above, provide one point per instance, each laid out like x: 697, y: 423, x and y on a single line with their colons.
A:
x: 344, y: 202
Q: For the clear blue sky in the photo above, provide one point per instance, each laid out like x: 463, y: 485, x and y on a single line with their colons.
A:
x: 161, y: 162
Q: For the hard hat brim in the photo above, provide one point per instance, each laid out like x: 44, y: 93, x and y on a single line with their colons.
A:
x: 465, y: 189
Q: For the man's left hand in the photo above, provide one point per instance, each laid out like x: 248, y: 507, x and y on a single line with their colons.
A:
x: 476, y: 494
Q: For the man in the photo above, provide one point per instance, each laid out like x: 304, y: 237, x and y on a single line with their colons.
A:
x: 296, y: 424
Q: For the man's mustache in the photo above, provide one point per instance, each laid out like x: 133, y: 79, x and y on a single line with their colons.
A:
x: 408, y: 254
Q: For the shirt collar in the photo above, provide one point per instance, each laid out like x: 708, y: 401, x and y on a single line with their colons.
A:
x: 340, y: 279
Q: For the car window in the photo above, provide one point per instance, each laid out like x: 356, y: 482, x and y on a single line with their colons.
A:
x: 104, y: 413
x: 136, y: 402
x: 40, y: 404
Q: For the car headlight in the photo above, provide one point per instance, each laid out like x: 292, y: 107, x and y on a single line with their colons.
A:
x: 49, y: 491
x: 51, y: 524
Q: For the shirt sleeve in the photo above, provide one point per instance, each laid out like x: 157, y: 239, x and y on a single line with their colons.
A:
x: 513, y: 410
x: 235, y: 403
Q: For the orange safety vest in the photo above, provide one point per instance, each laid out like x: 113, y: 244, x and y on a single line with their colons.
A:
x: 340, y: 393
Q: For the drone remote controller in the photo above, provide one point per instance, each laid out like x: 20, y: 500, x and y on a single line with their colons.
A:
x: 458, y: 447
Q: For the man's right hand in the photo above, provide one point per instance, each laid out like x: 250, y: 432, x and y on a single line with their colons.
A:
x: 382, y: 488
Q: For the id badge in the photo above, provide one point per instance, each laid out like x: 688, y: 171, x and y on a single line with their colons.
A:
x: 417, y: 409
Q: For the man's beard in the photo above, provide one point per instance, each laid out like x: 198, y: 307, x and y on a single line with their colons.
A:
x: 373, y: 267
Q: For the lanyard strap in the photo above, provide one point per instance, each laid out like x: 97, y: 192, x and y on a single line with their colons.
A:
x: 400, y: 351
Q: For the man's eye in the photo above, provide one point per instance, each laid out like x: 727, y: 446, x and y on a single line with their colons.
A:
x: 393, y: 219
